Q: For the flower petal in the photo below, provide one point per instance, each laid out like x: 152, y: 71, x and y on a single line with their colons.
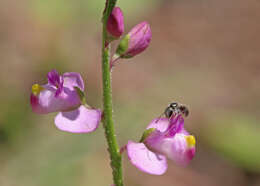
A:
x: 73, y: 79
x: 176, y: 125
x: 145, y: 160
x: 54, y: 78
x: 170, y: 126
x: 177, y: 149
x: 47, y: 101
x: 81, y: 120
x: 160, y: 124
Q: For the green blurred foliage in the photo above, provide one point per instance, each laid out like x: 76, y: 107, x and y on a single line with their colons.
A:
x: 236, y: 135
x: 15, y: 119
x: 68, y: 12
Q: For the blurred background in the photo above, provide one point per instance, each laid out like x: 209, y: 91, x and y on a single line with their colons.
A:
x: 203, y: 53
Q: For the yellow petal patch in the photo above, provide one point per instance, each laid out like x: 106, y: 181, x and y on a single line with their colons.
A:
x: 36, y: 89
x: 191, y: 141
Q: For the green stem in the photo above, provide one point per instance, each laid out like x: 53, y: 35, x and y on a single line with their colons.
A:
x: 115, y: 156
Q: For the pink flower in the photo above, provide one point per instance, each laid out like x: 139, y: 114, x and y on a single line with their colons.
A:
x: 136, y: 41
x: 164, y: 138
x: 62, y: 94
x: 115, y: 23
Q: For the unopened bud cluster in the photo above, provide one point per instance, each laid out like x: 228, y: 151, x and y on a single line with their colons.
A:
x: 134, y: 42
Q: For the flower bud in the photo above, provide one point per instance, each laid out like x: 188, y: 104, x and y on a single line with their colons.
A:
x: 115, y: 23
x: 136, y: 41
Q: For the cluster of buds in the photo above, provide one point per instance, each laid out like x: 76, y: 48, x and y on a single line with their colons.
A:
x: 163, y: 138
x: 133, y: 43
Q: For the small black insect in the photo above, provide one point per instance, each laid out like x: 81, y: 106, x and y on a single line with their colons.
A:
x: 175, y: 108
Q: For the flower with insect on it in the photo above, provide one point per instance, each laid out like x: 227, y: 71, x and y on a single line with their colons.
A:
x: 64, y: 94
x: 164, y: 138
x: 115, y: 24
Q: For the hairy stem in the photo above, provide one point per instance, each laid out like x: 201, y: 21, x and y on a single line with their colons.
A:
x: 113, y: 149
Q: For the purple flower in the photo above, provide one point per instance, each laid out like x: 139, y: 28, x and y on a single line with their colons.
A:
x: 136, y: 41
x: 163, y: 138
x: 61, y: 94
x: 115, y: 23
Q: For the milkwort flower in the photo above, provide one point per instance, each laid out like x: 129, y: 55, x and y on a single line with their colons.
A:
x: 163, y: 138
x: 65, y: 94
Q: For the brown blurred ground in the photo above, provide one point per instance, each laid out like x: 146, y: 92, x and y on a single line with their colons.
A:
x: 203, y: 53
